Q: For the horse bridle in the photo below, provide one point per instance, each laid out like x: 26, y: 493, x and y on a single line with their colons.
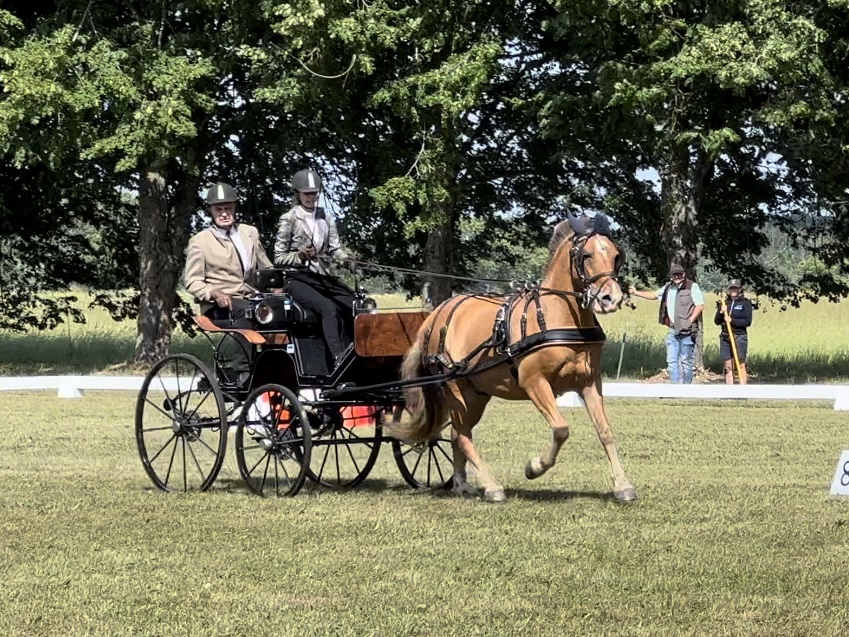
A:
x: 577, y: 254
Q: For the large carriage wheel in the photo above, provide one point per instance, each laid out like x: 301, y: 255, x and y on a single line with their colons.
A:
x: 181, y: 424
x: 273, y: 442
x: 345, y: 447
x: 425, y: 465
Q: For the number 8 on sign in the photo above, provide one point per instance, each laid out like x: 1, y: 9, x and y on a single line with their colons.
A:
x: 840, y: 483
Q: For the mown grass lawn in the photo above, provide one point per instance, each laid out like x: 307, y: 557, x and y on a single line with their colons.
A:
x: 734, y: 534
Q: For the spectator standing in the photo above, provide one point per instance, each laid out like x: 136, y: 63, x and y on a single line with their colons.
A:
x: 681, y: 306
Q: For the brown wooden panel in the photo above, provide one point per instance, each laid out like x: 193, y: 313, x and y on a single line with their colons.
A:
x: 253, y: 337
x: 276, y: 338
x: 389, y: 334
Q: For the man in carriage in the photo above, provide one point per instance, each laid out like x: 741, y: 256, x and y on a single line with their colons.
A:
x: 218, y: 262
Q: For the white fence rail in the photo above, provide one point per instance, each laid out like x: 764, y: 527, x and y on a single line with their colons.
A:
x: 75, y: 386
x: 838, y: 393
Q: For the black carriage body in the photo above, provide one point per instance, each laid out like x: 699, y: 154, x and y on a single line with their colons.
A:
x: 294, y: 352
x: 297, y: 417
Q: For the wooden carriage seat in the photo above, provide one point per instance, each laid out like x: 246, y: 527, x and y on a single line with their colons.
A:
x: 389, y: 334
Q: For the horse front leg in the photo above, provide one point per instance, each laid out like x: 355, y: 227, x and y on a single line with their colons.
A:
x: 623, y: 490
x: 541, y: 394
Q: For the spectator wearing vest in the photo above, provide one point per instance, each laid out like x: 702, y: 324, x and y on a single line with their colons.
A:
x: 737, y: 310
x: 681, y: 306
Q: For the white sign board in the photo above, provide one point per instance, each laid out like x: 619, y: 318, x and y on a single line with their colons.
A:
x: 840, y: 484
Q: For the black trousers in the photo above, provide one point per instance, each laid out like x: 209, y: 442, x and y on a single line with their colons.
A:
x: 235, y: 350
x: 331, y: 300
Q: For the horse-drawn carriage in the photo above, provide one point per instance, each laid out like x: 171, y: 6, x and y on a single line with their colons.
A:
x: 297, y: 418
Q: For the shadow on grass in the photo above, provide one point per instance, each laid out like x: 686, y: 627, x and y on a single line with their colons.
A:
x: 48, y: 353
x: 372, y: 485
x: 556, y: 495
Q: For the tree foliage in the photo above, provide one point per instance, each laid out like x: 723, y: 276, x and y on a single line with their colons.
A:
x: 451, y: 134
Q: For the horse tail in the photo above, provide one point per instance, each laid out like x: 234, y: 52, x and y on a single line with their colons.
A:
x: 424, y: 406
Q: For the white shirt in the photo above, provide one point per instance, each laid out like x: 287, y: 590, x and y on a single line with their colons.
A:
x: 317, y: 228
x: 236, y: 239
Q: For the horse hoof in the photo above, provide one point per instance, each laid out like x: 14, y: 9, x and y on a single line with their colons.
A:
x: 625, y: 495
x: 534, y: 469
x: 496, y: 495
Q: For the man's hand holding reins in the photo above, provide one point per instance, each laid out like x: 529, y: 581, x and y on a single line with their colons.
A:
x: 307, y: 253
x: 222, y: 300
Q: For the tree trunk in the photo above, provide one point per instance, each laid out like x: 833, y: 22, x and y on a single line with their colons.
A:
x: 682, y: 182
x: 680, y: 229
x: 439, y: 255
x: 162, y: 243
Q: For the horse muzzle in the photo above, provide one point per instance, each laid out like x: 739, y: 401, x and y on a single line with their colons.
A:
x: 607, y: 298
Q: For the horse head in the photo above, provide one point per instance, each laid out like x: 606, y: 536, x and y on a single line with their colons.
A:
x: 595, y: 263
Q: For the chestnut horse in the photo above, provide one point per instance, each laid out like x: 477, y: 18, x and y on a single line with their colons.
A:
x: 493, y: 346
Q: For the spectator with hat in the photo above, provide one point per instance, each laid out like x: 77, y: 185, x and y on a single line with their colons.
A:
x: 734, y: 315
x: 681, y: 306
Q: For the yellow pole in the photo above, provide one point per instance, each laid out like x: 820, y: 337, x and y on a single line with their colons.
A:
x: 733, y: 346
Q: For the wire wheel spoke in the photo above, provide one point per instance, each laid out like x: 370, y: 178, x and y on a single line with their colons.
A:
x: 349, y: 451
x: 430, y: 468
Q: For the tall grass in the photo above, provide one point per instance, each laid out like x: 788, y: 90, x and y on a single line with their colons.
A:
x: 806, y: 344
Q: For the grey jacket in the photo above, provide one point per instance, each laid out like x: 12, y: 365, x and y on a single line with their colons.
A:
x: 293, y: 234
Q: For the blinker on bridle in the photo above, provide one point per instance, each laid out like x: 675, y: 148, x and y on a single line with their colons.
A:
x: 585, y: 228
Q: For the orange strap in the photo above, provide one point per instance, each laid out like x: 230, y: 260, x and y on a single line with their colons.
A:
x: 252, y: 336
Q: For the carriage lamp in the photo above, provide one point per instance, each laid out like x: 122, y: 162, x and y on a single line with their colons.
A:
x: 263, y: 313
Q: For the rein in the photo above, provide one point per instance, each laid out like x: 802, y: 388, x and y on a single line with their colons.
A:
x: 583, y: 228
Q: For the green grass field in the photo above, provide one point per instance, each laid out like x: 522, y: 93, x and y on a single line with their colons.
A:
x: 734, y: 534
x: 809, y: 344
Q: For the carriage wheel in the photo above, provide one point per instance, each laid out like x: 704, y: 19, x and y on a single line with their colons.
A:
x: 181, y: 425
x: 344, y: 449
x: 273, y: 442
x: 426, y: 465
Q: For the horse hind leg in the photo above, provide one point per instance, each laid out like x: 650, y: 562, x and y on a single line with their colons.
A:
x: 543, y: 397
x: 460, y: 484
x: 466, y: 408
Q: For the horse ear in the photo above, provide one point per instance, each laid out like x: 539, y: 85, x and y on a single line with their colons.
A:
x: 580, y: 225
x: 601, y: 224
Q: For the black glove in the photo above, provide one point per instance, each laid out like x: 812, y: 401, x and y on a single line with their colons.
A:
x: 307, y: 254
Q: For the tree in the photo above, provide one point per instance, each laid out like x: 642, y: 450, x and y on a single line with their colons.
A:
x: 143, y: 94
x: 707, y: 97
x: 430, y: 125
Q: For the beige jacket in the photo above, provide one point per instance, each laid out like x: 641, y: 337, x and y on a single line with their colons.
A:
x: 213, y: 264
x: 293, y: 233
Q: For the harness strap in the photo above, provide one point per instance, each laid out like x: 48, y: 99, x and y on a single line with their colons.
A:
x: 441, y: 357
x: 565, y: 335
